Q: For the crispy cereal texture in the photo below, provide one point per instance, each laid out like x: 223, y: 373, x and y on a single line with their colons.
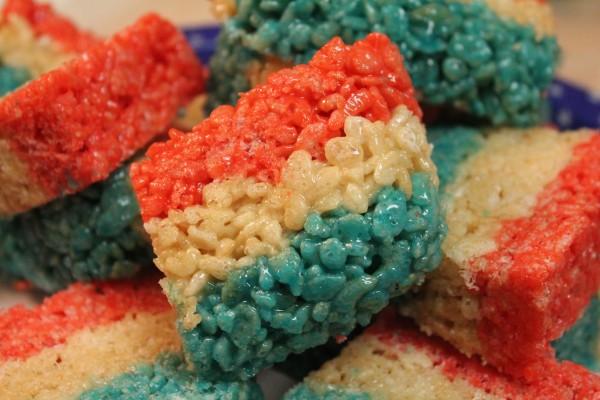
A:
x: 76, y: 124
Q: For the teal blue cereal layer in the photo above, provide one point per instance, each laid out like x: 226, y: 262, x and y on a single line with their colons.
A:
x: 451, y: 148
x: 457, y: 54
x: 169, y: 378
x: 339, y: 270
x: 304, y: 392
x: 581, y: 343
x: 95, y: 234
x: 11, y: 78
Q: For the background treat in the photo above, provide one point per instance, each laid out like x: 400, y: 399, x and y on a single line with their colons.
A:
x: 101, y: 340
x: 393, y: 360
x: 493, y: 59
x: 91, y: 235
x: 519, y: 264
x: 581, y: 344
x: 33, y: 40
x: 74, y: 125
x: 296, y: 215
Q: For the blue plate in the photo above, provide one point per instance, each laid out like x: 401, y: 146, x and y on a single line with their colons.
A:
x: 572, y: 107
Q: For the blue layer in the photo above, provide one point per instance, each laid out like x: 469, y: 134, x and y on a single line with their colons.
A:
x: 169, y: 378
x: 452, y: 146
x: 339, y: 271
x: 11, y: 78
x: 94, y: 234
x: 458, y: 54
x: 579, y: 343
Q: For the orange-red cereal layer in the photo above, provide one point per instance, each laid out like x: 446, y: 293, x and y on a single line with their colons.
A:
x: 555, y: 267
x: 298, y: 109
x: 76, y: 124
x: 45, y: 22
x: 557, y: 381
x: 25, y: 332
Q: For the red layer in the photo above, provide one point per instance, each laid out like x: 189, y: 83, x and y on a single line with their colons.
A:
x: 299, y: 108
x: 45, y: 22
x: 74, y: 125
x: 25, y: 332
x: 545, y: 269
x: 556, y: 381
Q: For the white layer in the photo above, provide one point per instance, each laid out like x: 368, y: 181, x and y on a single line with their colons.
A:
x: 20, y: 48
x: 386, y: 372
x: 89, y: 358
x: 501, y: 182
x: 242, y: 219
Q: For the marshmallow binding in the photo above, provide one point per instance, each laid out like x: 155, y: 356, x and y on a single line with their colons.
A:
x: 102, y: 341
x: 520, y: 261
x: 297, y: 214
x: 105, y: 105
x: 394, y: 360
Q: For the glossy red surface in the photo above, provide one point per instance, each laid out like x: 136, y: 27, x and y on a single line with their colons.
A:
x: 545, y: 269
x: 76, y: 124
x: 298, y: 109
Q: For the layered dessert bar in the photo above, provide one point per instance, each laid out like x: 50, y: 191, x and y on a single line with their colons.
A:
x: 490, y: 59
x: 102, y: 341
x: 35, y: 39
x: 74, y: 125
x: 520, y: 261
x: 91, y: 235
x: 297, y: 214
x: 394, y: 360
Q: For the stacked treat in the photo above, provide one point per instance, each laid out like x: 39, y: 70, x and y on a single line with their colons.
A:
x: 117, y: 340
x: 67, y: 211
x: 34, y: 40
x: 491, y: 59
x: 312, y: 201
x: 394, y: 360
x: 518, y: 268
x: 313, y: 222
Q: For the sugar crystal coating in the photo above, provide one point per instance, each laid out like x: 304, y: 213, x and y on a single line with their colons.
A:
x: 520, y: 259
x: 126, y: 90
x: 25, y: 332
x: 102, y: 341
x: 393, y: 357
x: 300, y: 109
x: 564, y: 291
x: 242, y: 219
